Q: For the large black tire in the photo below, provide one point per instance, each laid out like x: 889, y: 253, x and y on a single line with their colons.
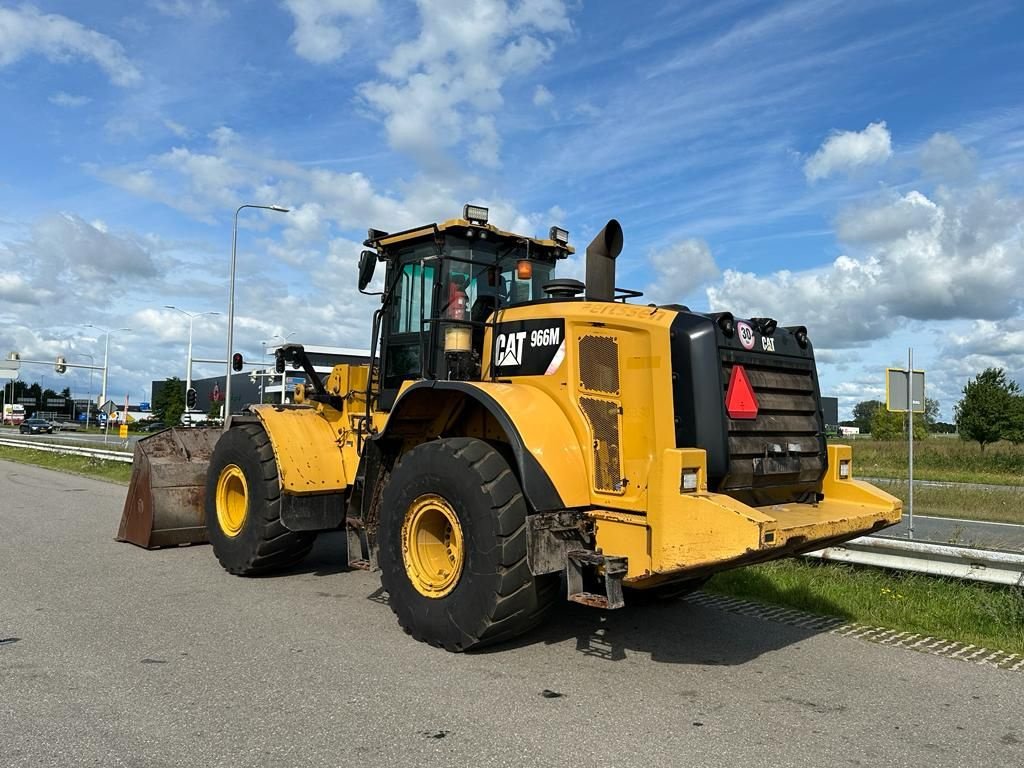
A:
x: 262, y: 544
x: 495, y: 597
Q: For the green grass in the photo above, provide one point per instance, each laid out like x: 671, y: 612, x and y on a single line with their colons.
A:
x: 982, y: 614
x: 998, y: 505
x: 113, y: 471
x: 940, y: 458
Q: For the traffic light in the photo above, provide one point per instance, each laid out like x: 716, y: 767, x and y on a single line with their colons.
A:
x: 236, y: 361
x: 61, y: 365
x: 190, y: 398
x: 279, y: 362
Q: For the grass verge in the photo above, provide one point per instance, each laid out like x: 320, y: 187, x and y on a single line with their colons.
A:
x: 112, y: 471
x: 982, y: 614
x: 940, y: 458
x: 996, y: 505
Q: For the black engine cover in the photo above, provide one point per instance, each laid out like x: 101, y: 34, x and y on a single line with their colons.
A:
x: 780, y: 455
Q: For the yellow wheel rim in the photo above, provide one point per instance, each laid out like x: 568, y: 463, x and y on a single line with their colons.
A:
x: 433, y: 549
x: 232, y: 500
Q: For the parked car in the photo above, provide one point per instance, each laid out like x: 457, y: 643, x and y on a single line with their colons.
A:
x: 35, y: 427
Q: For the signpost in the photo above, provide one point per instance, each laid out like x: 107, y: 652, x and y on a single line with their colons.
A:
x: 904, y: 393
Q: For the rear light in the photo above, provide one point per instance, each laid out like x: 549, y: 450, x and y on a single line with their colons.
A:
x: 740, y: 401
x: 689, y: 479
x: 844, y: 469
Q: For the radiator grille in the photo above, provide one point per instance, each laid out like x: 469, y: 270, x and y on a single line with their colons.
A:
x: 787, y: 423
x: 599, y: 364
x: 603, y: 416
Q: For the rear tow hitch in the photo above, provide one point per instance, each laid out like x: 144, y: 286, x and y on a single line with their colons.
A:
x: 613, y: 569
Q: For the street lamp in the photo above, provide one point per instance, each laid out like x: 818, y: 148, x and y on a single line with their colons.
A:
x: 88, y: 408
x: 106, y: 354
x: 231, y: 300
x: 188, y: 364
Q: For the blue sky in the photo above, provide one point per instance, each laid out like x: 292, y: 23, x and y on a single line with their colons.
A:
x: 854, y: 167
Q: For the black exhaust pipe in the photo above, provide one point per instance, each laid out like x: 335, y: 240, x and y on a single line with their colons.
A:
x: 601, y: 255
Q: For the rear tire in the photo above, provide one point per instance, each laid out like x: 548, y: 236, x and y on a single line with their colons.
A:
x: 487, y: 593
x: 243, y: 506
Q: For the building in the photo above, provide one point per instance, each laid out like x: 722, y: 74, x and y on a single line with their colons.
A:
x: 830, y: 411
x: 264, y: 384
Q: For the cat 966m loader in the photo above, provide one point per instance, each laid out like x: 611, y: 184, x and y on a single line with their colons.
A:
x: 515, y: 432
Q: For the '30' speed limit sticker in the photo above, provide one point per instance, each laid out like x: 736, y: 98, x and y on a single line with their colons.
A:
x: 746, y: 334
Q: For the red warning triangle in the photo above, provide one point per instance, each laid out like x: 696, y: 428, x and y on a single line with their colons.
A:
x: 740, y: 401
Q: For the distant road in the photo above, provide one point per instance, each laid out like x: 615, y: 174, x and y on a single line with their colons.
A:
x: 883, y: 481
x: 112, y: 442
x: 969, y: 533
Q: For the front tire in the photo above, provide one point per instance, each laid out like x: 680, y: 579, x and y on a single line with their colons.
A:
x: 452, y: 547
x: 243, y: 506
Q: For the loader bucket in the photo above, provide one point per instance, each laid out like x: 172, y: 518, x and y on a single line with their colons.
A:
x: 166, y: 497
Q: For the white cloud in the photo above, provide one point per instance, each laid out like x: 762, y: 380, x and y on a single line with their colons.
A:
x: 959, y: 255
x: 62, y: 99
x: 944, y: 157
x: 846, y: 151
x: 889, y: 220
x: 15, y: 289
x: 320, y: 28
x: 542, y: 96
x: 65, y: 260
x: 25, y: 30
x: 206, y: 10
x: 442, y: 89
x: 679, y: 270
x: 179, y: 130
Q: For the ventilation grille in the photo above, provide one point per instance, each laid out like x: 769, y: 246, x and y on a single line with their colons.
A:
x: 599, y: 364
x: 787, y: 422
x: 603, y: 416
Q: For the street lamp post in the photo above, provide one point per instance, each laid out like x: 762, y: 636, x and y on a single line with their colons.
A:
x: 188, y: 363
x: 231, y: 300
x: 106, y: 356
x: 88, y: 408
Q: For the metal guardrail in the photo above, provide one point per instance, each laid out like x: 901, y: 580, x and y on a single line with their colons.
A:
x: 991, y: 566
x: 987, y: 565
x: 96, y: 453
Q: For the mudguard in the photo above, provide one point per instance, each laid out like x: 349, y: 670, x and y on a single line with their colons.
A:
x: 547, y: 451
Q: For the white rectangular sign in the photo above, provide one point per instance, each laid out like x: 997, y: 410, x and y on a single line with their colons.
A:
x: 896, y: 390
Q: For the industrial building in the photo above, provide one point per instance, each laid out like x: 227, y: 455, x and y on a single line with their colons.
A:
x: 264, y: 385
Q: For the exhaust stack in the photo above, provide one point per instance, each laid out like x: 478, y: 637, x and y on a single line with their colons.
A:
x: 601, y: 254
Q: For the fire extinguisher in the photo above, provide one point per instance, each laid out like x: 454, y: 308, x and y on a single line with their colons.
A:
x: 456, y: 301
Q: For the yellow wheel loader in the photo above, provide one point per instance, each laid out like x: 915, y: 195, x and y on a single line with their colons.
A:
x: 516, y: 435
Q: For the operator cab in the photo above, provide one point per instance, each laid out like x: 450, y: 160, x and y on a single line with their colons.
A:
x: 443, y: 284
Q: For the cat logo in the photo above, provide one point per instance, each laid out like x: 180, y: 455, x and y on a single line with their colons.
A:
x: 767, y: 343
x: 508, y: 349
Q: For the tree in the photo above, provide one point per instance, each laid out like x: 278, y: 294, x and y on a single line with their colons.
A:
x: 1015, y: 420
x: 886, y: 425
x: 931, y: 413
x: 169, y: 401
x: 983, y: 414
x: 863, y: 413
x: 893, y: 426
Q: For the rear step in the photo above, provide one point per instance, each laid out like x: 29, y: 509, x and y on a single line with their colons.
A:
x: 823, y: 521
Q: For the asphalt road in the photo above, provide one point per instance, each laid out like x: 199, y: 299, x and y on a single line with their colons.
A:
x: 94, y: 439
x: 114, y: 656
x: 1008, y: 537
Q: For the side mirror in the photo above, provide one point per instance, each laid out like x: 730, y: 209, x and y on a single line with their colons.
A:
x: 367, y: 263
